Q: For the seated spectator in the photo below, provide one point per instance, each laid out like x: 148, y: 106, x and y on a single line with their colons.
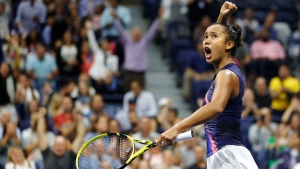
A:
x: 25, y: 113
x: 32, y: 39
x: 67, y: 57
x: 87, y: 58
x: 185, y: 154
x: 168, y: 116
x: 104, y: 61
x: 96, y: 109
x: 168, y: 161
x: 46, y: 94
x: 267, y: 54
x: 99, y: 126
x: 7, y: 90
x: 17, y: 160
x: 25, y: 92
x: 198, y: 69
x: 15, y: 51
x: 282, y: 88
x: 250, y: 107
x: 144, y: 132
x: 41, y: 67
x: 57, y: 97
x: 114, y: 126
x: 30, y: 139
x: 64, y: 119
x: 136, y: 49
x: 250, y: 24
x: 146, y: 104
x: 260, y: 134
x: 83, y: 100
x: 199, y: 31
x: 30, y: 15
x: 9, y: 138
x: 261, y: 93
x: 110, y: 85
x: 4, y: 120
x: 200, y: 158
x: 290, y: 156
x: 4, y: 19
x: 232, y: 19
x: 58, y: 156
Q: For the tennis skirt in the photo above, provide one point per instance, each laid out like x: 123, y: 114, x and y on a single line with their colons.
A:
x: 231, y: 157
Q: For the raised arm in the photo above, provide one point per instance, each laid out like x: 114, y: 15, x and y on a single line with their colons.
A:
x: 91, y: 37
x: 224, y: 83
x: 119, y: 27
x: 80, y: 131
x: 227, y: 9
x: 41, y: 132
x: 151, y: 32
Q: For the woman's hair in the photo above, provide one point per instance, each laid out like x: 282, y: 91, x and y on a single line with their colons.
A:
x: 10, y: 149
x: 233, y: 33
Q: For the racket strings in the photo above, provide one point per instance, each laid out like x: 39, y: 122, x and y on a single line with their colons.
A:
x: 109, y: 152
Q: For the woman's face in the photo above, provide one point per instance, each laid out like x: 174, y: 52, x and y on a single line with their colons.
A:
x: 4, y: 70
x: 68, y: 37
x: 102, y: 124
x: 33, y: 107
x: 113, y: 126
x: 16, y: 155
x: 97, y: 103
x: 214, y: 43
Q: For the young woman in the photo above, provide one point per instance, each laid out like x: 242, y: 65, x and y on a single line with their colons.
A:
x: 223, y: 103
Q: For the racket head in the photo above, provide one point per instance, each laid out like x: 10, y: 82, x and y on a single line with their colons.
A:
x: 109, y: 150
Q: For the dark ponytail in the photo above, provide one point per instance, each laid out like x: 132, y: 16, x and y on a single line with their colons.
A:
x: 234, y: 34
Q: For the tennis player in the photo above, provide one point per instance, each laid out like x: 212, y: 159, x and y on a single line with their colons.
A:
x: 223, y: 103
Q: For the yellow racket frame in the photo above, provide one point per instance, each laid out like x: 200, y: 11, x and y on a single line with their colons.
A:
x: 148, y: 144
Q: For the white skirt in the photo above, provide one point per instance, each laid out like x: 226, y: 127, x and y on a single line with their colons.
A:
x: 231, y: 157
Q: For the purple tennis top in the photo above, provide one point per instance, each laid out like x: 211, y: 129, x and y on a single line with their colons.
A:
x: 226, y: 128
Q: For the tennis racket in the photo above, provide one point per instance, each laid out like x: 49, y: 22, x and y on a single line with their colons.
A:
x: 115, y: 150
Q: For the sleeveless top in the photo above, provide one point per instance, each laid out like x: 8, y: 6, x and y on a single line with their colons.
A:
x: 225, y: 129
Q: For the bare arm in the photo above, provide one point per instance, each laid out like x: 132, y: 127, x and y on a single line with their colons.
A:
x: 31, y: 147
x: 79, y: 137
x: 41, y: 128
x: 227, y: 9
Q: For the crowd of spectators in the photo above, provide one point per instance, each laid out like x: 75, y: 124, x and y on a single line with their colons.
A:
x: 72, y: 69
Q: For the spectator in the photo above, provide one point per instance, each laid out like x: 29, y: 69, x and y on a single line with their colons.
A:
x: 48, y: 29
x: 250, y: 107
x: 281, y: 90
x: 168, y: 161
x: 261, y: 92
x: 99, y: 126
x: 4, y: 120
x: 250, y: 25
x: 269, y: 26
x: 97, y: 109
x: 25, y: 112
x: 86, y: 7
x: 144, y: 132
x: 144, y: 164
x: 110, y: 85
x: 136, y: 50
x: 199, y: 31
x: 294, y: 108
x: 168, y: 116
x: 31, y: 39
x: 59, y: 156
x: 260, y: 134
x: 104, y: 61
x: 200, y: 158
x: 267, y: 54
x: 154, y: 157
x: 68, y: 60
x: 198, y: 69
x: 17, y: 160
x: 57, y: 97
x: 9, y: 138
x: 30, y: 140
x: 146, y: 104
x: 64, y: 119
x: 4, y: 18
x: 87, y: 58
x: 46, y: 94
x: 31, y: 15
x: 15, y: 51
x: 96, y: 17
x: 83, y: 100
x: 7, y: 90
x: 122, y: 12
x: 114, y: 126
x: 291, y: 155
x: 41, y: 67
x: 243, y: 57
x: 25, y: 92
x: 184, y: 154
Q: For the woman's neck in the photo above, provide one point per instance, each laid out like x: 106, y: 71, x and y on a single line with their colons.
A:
x: 223, y: 63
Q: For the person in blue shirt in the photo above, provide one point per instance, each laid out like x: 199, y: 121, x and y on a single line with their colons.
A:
x: 41, y: 66
x: 198, y: 69
x: 223, y: 104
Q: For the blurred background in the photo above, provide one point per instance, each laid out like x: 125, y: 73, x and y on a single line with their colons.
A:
x: 73, y: 69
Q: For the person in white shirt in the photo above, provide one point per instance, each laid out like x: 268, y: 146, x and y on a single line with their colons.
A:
x: 104, y: 61
x: 146, y: 102
x: 16, y: 159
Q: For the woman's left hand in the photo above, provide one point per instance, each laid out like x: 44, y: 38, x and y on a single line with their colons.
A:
x: 167, y: 138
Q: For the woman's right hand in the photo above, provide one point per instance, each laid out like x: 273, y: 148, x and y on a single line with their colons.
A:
x: 228, y: 8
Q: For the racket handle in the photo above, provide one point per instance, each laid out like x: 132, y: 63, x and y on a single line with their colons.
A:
x: 184, y: 136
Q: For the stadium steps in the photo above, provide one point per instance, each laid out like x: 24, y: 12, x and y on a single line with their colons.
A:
x: 158, y: 78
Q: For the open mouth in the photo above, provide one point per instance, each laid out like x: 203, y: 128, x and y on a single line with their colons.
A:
x: 207, y: 50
